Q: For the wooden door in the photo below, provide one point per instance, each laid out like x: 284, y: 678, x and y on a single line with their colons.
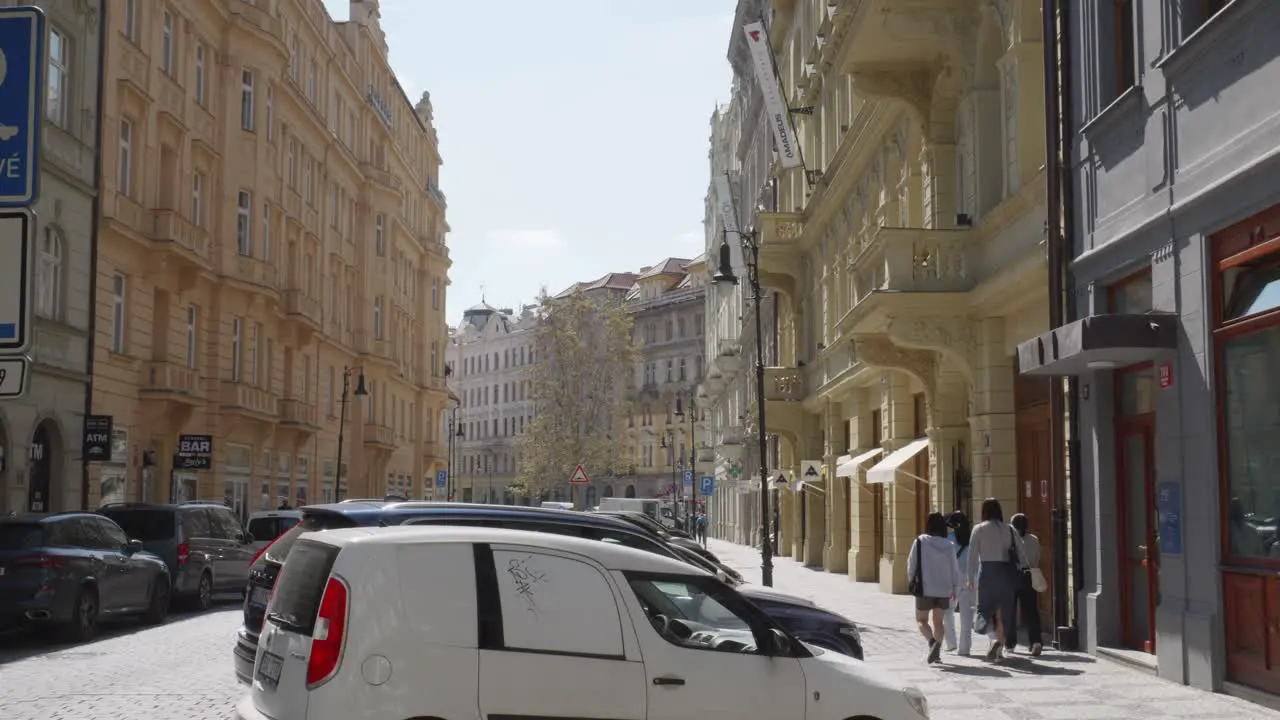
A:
x: 1034, y: 457
x: 1252, y: 629
x: 1139, y: 559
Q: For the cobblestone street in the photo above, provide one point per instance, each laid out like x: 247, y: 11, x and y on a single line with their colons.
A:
x: 1051, y: 687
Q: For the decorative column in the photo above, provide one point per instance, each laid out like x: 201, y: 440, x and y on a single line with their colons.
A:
x: 836, y: 551
x: 948, y: 435
x: 900, y: 495
x: 993, y: 424
x: 862, y: 560
x: 813, y: 446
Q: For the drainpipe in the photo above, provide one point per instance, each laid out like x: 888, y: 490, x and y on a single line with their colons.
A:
x: 1071, y: 313
x: 1057, y: 301
x: 93, y: 246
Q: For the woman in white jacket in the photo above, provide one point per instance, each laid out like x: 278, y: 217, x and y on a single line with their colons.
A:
x: 960, y: 527
x: 935, y: 580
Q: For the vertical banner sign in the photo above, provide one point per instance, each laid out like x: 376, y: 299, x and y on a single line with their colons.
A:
x: 97, y: 438
x: 771, y: 91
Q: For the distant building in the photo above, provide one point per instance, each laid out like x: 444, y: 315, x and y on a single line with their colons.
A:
x: 490, y: 354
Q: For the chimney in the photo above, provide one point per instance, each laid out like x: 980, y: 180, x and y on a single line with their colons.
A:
x: 645, y: 269
x: 366, y: 14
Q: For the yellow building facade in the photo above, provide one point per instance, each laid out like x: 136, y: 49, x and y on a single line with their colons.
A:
x: 272, y: 240
x: 908, y: 257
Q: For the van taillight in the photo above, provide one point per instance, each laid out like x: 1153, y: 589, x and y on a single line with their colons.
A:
x: 184, y: 553
x: 47, y: 562
x: 329, y: 633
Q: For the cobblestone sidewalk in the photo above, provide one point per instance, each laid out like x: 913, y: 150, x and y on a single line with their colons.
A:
x: 1067, y: 686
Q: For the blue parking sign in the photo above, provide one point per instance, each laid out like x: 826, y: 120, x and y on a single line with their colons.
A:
x: 707, y: 485
x: 21, y: 100
x: 442, y: 478
x: 688, y: 479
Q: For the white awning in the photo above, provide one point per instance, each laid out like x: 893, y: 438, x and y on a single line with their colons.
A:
x: 849, y: 465
x: 814, y: 486
x: 886, y: 471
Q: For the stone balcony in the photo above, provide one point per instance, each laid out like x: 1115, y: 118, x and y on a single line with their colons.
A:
x: 304, y: 311
x: 177, y: 238
x: 888, y: 33
x: 252, y: 273
x: 170, y: 382
x: 778, y: 235
x: 299, y: 415
x: 380, y: 348
x: 247, y: 401
x: 381, y: 177
x: 784, y: 390
x: 905, y: 271
x: 379, y: 435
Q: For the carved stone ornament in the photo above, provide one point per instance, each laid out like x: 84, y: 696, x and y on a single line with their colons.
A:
x: 957, y: 336
x: 914, y: 86
x: 880, y: 351
x: 788, y: 231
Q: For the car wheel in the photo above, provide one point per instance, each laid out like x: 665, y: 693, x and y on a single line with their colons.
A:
x: 158, y: 608
x: 84, y: 622
x: 204, y: 592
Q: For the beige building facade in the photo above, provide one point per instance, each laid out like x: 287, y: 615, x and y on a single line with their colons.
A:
x: 272, y: 244
x: 40, y: 433
x: 907, y: 257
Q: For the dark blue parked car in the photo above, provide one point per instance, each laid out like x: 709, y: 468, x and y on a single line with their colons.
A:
x: 807, y: 621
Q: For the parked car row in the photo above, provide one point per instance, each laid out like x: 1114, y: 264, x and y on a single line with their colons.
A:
x: 531, y: 624
x: 68, y: 571
x: 801, y: 617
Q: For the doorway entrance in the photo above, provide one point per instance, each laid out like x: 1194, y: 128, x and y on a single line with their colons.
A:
x: 40, y: 470
x: 1135, y: 490
x: 1033, y: 422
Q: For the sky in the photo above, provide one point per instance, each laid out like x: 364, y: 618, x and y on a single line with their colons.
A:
x: 574, y: 133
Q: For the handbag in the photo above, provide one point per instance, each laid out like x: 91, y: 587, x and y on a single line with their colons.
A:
x: 915, y: 585
x: 1038, y: 581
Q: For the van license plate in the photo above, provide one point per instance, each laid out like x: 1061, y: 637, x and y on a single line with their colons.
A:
x: 269, y: 670
x: 259, y: 596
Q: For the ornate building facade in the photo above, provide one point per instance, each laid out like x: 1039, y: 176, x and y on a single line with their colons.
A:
x: 490, y: 354
x: 272, y: 266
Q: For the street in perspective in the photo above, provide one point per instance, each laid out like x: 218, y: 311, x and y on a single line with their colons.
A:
x: 779, y: 359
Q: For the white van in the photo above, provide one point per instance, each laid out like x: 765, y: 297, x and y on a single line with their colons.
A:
x: 659, y: 510
x: 531, y: 625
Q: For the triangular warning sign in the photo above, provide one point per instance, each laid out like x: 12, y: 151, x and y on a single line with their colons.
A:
x: 811, y: 471
x: 579, y: 476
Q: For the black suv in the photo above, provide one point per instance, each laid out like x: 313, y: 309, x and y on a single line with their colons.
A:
x: 207, y: 549
x: 71, y: 569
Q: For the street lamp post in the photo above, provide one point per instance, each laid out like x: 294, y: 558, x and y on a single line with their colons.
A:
x: 725, y: 274
x: 692, y: 502
x: 342, y: 418
x: 669, y: 443
x: 455, y: 430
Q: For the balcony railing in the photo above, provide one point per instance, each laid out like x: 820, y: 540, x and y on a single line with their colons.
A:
x: 170, y: 378
x: 242, y: 396
x: 298, y: 303
x: 255, y: 272
x: 171, y: 227
x: 299, y: 412
x: 378, y: 434
x: 914, y: 260
x: 784, y: 383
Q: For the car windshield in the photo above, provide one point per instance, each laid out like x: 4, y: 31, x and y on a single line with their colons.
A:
x: 145, y: 525
x: 278, y: 551
x: 684, y: 601
x: 20, y: 536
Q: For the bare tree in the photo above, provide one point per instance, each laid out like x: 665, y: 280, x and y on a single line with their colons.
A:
x: 584, y: 365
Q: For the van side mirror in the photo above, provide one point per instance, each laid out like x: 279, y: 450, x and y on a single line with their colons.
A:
x: 779, y: 643
x: 246, y: 537
x: 134, y: 545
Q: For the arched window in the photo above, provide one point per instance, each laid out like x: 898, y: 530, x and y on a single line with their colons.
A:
x: 49, y: 275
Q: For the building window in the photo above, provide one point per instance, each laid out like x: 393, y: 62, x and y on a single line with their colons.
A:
x: 197, y: 199
x: 255, y: 341
x: 683, y: 370
x: 193, y: 329
x: 1131, y: 295
x: 246, y: 100
x: 435, y: 358
x: 124, y: 176
x: 293, y: 56
x: 311, y: 82
x: 377, y: 317
x: 328, y: 393
x: 1012, y: 176
x: 266, y: 231
x: 118, y: 291
x: 271, y: 114
x: 670, y: 367
x: 435, y: 293
x: 57, y: 83
x: 244, y: 227
x: 380, y: 235
x: 1126, y: 52
x: 199, y: 83
x: 308, y: 184
x: 291, y: 163
x: 49, y: 276
x: 237, y: 335
x: 166, y: 44
x: 129, y: 20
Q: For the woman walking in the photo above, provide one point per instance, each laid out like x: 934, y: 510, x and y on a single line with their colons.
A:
x: 934, y: 579
x: 959, y: 530
x: 1026, y: 594
x: 996, y: 550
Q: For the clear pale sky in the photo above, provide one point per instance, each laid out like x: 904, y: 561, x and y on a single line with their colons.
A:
x: 574, y: 132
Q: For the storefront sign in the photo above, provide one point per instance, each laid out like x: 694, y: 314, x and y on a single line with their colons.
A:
x: 195, y: 452
x: 1169, y: 509
x: 97, y: 438
x: 775, y: 106
x: 1166, y: 376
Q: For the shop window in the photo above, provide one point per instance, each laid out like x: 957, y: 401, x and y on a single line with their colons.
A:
x: 1131, y: 295
x: 1126, y: 37
x: 1251, y: 416
x: 1250, y: 290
